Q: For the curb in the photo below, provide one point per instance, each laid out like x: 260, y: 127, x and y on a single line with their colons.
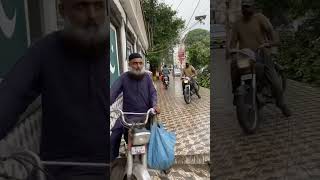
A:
x: 197, y: 159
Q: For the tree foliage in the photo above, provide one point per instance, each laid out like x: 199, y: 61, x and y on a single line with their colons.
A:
x: 197, y: 44
x: 285, y: 11
x: 196, y: 35
x: 299, y: 51
x: 198, y: 47
x: 165, y: 27
x: 204, y: 78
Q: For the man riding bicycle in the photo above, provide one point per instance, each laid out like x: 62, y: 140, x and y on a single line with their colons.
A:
x: 190, y: 71
x: 253, y: 31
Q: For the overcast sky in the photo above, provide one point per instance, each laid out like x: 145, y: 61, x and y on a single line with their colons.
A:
x: 186, y: 9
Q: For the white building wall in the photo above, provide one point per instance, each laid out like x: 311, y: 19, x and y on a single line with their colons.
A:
x: 49, y: 16
x: 135, y: 16
x: 132, y: 21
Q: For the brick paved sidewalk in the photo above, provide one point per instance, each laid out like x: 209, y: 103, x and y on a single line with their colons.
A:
x: 184, y: 172
x: 283, y: 148
x: 190, y: 122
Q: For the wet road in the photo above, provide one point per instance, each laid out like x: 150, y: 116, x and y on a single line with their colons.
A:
x: 283, y: 148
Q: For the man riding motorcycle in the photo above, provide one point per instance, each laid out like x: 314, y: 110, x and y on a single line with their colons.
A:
x: 165, y: 72
x: 190, y: 71
x: 139, y: 95
x: 254, y: 31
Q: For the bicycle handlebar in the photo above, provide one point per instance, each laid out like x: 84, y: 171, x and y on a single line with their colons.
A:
x: 27, y: 157
x: 186, y: 77
x: 234, y: 51
x: 150, y: 111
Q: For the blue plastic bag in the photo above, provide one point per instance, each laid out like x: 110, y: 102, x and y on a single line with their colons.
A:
x: 161, y: 148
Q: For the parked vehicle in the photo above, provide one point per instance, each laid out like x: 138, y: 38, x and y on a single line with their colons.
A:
x: 176, y: 72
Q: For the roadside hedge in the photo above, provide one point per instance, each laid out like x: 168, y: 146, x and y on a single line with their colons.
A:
x: 299, y: 53
x: 204, y: 79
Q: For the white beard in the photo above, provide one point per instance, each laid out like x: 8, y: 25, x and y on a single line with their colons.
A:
x: 87, y: 36
x: 137, y: 72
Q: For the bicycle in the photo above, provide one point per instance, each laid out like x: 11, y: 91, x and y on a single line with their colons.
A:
x: 28, y: 158
x: 138, y: 139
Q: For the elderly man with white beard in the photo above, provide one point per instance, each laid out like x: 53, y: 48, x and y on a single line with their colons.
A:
x: 68, y: 68
x: 139, y: 95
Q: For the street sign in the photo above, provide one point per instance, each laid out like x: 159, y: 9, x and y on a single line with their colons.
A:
x: 114, y: 60
x: 13, y: 33
x: 181, y: 55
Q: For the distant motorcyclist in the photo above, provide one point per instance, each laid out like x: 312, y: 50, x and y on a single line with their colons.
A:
x: 190, y: 71
x: 165, y: 72
x: 254, y: 30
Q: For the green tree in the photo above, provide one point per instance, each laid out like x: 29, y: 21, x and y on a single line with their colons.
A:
x: 285, y: 11
x: 196, y: 35
x: 198, y: 47
x: 299, y: 51
x: 197, y: 44
x: 165, y: 28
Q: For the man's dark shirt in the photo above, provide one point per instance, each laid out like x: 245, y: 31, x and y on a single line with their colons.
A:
x: 73, y: 90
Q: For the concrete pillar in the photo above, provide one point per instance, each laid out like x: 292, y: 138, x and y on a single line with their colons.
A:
x: 135, y: 44
x: 49, y: 16
x: 123, y: 41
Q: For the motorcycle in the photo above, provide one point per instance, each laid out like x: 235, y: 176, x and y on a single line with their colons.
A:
x: 166, y: 81
x: 189, y: 90
x: 255, y: 90
x: 136, y: 151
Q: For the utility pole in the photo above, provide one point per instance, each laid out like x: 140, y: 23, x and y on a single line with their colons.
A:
x: 171, y: 56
